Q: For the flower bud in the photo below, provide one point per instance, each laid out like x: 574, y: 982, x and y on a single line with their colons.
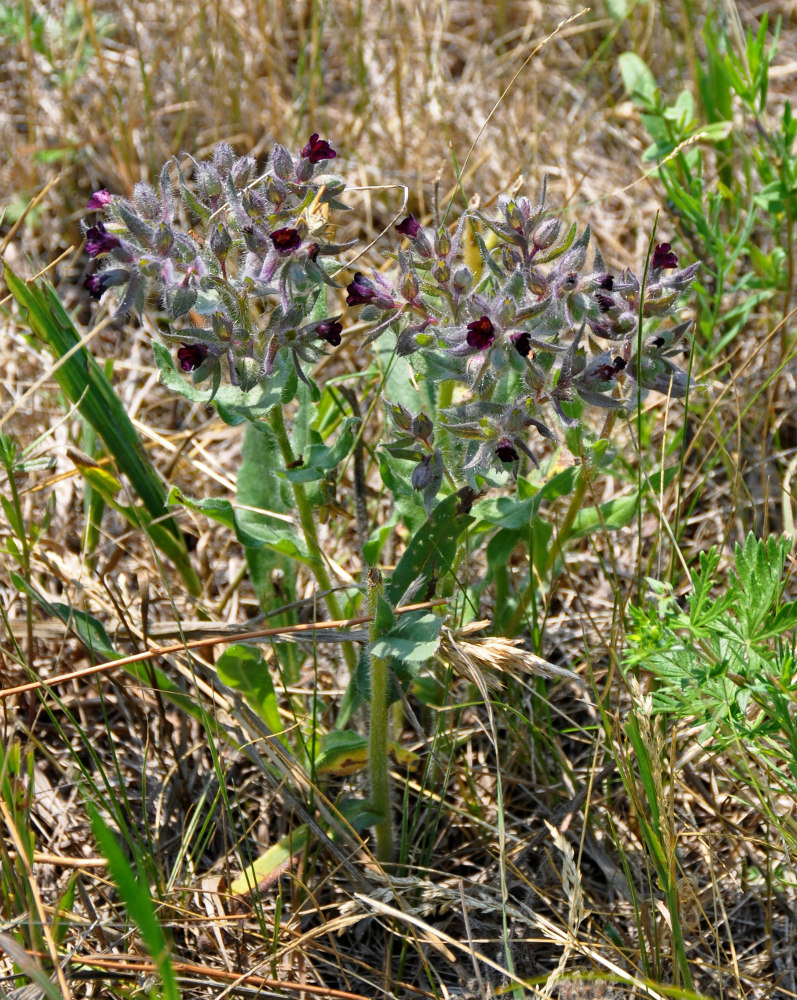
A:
x: 220, y: 242
x: 462, y: 279
x: 547, y: 233
x: 423, y: 428
x: 249, y: 371
x: 208, y: 181
x: 442, y: 242
x: 147, y: 201
x: 222, y: 325
x: 282, y: 163
x: 276, y: 192
x: 441, y: 272
x: 164, y: 239
x: 538, y: 283
x: 223, y: 157
x: 401, y: 416
x: 242, y: 171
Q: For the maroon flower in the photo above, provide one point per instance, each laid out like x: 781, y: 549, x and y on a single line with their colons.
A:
x: 481, y: 333
x: 663, y: 257
x: 605, y: 373
x: 330, y: 331
x: 522, y: 342
x: 99, y: 240
x: 361, y: 291
x: 99, y: 200
x: 191, y: 356
x: 317, y: 150
x: 312, y: 251
x: 409, y: 227
x: 506, y: 451
x: 286, y: 240
x: 606, y: 282
x: 99, y: 283
x: 606, y: 302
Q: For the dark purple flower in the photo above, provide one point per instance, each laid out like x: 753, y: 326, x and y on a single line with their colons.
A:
x: 99, y: 240
x: 361, y: 291
x: 521, y: 342
x: 330, y: 331
x: 312, y: 251
x: 606, y: 282
x: 605, y: 373
x: 191, y: 356
x: 409, y: 227
x: 317, y: 150
x: 99, y: 283
x: 606, y: 302
x: 286, y: 240
x: 481, y: 333
x: 619, y: 364
x: 99, y: 200
x: 506, y: 451
x: 663, y: 257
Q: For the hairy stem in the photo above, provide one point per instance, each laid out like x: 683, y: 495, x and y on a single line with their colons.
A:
x: 307, y: 522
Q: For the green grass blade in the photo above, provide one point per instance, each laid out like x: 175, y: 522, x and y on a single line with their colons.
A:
x: 86, y: 385
x: 135, y: 894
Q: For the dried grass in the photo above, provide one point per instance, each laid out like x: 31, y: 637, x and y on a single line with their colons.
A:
x: 403, y: 88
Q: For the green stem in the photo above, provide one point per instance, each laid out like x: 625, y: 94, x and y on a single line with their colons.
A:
x: 378, y: 733
x: 563, y: 534
x: 377, y: 759
x: 317, y: 565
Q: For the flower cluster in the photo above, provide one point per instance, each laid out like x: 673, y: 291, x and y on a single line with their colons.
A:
x: 517, y: 320
x: 505, y: 312
x: 245, y: 293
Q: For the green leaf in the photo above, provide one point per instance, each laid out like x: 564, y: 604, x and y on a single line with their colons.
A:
x: 507, y: 512
x: 234, y: 406
x: 87, y: 387
x: 611, y: 516
x: 245, y: 669
x: 431, y: 551
x: 320, y: 458
x: 135, y: 894
x: 342, y: 752
x: 639, y: 82
x: 503, y: 544
x: 271, y: 531
x: 759, y: 568
x: 259, y: 487
x: 413, y: 640
x: 384, y: 619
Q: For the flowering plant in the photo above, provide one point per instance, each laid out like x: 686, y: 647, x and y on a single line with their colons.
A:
x: 514, y: 328
x: 511, y: 326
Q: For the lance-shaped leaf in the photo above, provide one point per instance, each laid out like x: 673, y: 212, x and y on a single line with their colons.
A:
x: 86, y: 385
